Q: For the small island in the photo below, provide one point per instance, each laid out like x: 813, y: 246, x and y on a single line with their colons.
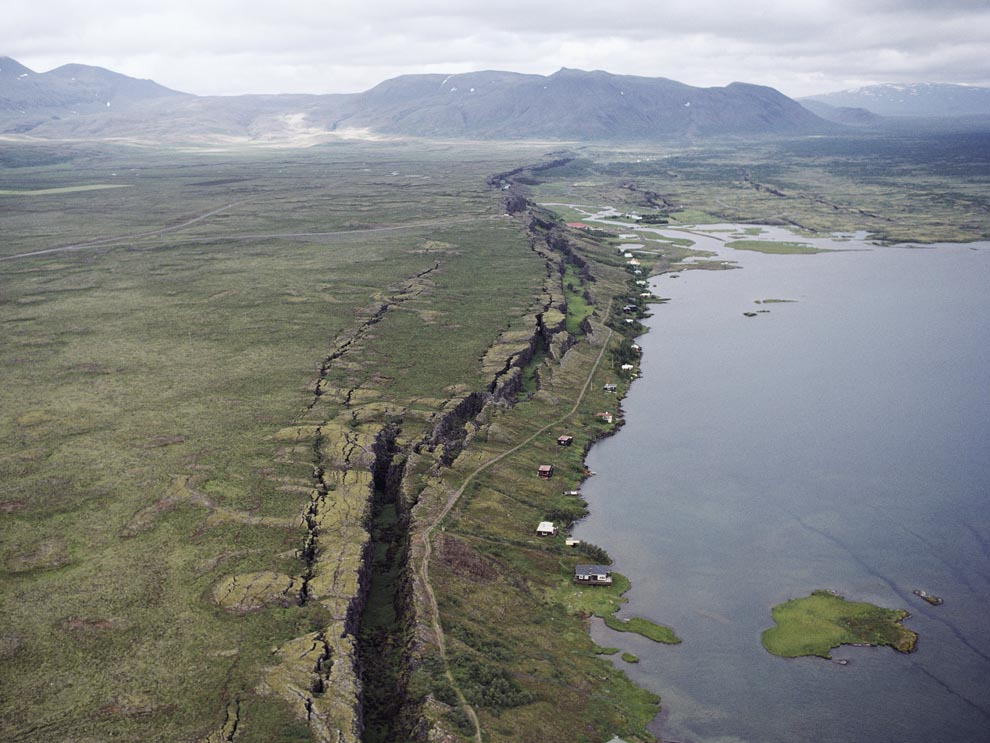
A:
x: 816, y: 624
x: 933, y: 600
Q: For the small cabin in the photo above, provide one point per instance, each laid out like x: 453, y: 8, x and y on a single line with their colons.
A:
x: 627, y: 367
x: 630, y: 308
x: 641, y: 282
x: 610, y: 387
x: 605, y: 417
x: 578, y: 226
x: 572, y: 492
x: 593, y: 575
x: 571, y: 542
x: 545, y: 471
x: 636, y: 348
x: 565, y: 440
x: 546, y: 529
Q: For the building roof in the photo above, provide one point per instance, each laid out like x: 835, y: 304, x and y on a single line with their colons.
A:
x: 592, y: 570
x: 546, y: 526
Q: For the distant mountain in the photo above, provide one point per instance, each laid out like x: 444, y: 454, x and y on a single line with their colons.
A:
x: 76, y: 101
x: 70, y: 90
x: 573, y: 104
x: 914, y: 99
x: 844, y: 115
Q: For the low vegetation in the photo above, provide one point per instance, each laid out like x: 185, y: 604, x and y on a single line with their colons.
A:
x: 818, y: 623
x: 776, y: 248
x: 237, y: 392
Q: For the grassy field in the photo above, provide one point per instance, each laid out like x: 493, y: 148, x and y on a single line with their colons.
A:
x: 912, y: 187
x: 236, y: 392
x: 775, y: 248
x: 818, y: 623
x: 148, y: 386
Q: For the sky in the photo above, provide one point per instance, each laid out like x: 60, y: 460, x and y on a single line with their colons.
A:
x: 230, y: 47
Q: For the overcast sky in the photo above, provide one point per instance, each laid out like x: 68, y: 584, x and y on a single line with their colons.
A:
x: 228, y: 47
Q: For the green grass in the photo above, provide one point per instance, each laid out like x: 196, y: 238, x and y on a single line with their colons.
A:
x: 630, y: 658
x: 578, y: 307
x: 816, y: 624
x: 64, y: 189
x: 152, y: 384
x: 184, y: 354
x: 644, y: 627
x: 775, y: 247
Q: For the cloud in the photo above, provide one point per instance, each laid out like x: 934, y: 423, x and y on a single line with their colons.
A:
x: 227, y: 47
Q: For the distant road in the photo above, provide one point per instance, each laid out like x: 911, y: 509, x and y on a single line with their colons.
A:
x: 104, y: 241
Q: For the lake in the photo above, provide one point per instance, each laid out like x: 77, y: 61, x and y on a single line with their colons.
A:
x: 840, y: 441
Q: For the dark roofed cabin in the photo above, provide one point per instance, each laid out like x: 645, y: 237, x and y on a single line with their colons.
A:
x: 565, y: 440
x: 593, y: 575
x: 545, y: 471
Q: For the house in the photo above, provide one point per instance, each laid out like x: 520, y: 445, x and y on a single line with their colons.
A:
x: 572, y: 492
x: 546, y: 529
x: 593, y: 575
x: 545, y: 471
x: 610, y: 387
x: 572, y: 542
x: 578, y: 226
x: 632, y: 262
x: 641, y: 282
x: 630, y: 308
x: 636, y: 347
x: 565, y: 440
x: 605, y: 417
x: 627, y: 367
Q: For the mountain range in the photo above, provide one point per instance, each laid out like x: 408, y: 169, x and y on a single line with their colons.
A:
x: 914, y: 99
x: 79, y: 101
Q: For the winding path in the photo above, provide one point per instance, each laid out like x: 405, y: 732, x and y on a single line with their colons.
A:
x: 424, y: 537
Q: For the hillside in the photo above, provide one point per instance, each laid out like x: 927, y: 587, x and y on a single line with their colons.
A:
x: 69, y: 91
x: 573, y: 104
x: 76, y: 101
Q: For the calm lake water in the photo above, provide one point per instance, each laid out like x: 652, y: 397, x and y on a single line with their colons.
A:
x: 839, y: 441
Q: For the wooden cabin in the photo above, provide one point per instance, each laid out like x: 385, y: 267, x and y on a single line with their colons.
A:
x: 605, y: 417
x: 546, y: 529
x: 593, y: 575
x: 565, y: 440
x: 545, y: 471
x: 610, y: 387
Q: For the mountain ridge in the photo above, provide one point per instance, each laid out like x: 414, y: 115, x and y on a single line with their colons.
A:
x: 912, y: 99
x: 570, y: 104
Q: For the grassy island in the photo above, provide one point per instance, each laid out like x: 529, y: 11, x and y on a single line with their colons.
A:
x: 817, y: 623
x: 776, y: 247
